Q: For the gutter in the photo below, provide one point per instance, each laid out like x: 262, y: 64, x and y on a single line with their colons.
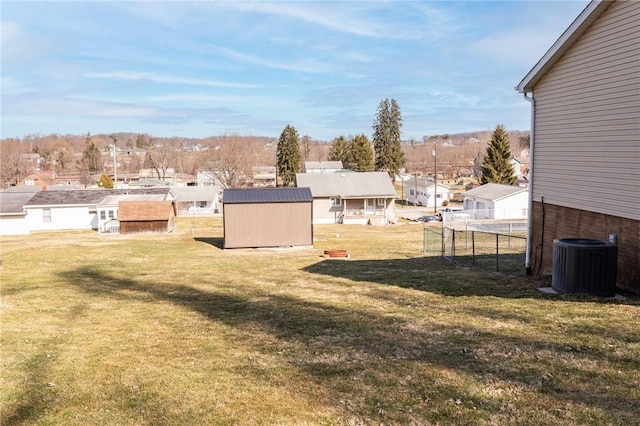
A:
x: 527, y: 260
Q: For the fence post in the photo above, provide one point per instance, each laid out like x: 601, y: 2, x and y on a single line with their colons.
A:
x: 425, y: 234
x: 473, y: 248
x: 453, y: 245
x: 497, y: 255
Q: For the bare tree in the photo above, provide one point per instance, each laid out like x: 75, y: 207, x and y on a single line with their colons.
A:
x: 231, y: 161
x: 306, y: 144
x: 161, y: 156
x: 13, y: 168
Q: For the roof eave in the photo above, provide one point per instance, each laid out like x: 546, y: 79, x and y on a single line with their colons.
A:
x: 577, y: 28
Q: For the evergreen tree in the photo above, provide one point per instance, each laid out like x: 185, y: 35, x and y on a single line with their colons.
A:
x: 289, y: 156
x: 360, y: 158
x: 496, y: 166
x: 386, y: 137
x: 339, y: 150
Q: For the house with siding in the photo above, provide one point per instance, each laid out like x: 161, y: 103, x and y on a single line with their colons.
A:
x: 322, y: 166
x: 13, y: 218
x: 421, y: 192
x: 584, y: 177
x: 72, y: 208
x: 495, y: 201
x: 351, y: 197
x: 192, y: 200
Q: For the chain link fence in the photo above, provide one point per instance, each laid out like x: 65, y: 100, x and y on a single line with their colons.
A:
x: 496, y: 247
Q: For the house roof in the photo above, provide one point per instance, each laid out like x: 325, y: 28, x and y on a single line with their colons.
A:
x: 426, y: 185
x: 145, y: 210
x: 12, y: 203
x: 494, y: 191
x: 114, y: 200
x: 571, y: 35
x: 319, y: 165
x: 348, y: 185
x: 266, y: 195
x: 194, y: 193
x: 81, y: 197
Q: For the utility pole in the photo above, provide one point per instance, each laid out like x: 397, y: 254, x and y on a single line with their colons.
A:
x: 115, y: 161
x: 435, y: 177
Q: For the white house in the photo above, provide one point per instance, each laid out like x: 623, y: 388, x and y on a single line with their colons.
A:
x: 322, y: 166
x: 201, y: 200
x: 13, y: 218
x: 420, y: 192
x: 496, y: 201
x: 351, y: 197
x: 72, y: 209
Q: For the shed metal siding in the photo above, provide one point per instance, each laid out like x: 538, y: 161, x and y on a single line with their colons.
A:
x: 587, y: 127
x: 267, y: 217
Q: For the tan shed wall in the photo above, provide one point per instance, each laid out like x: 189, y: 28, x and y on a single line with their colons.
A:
x: 587, y: 134
x: 267, y: 225
x: 563, y: 222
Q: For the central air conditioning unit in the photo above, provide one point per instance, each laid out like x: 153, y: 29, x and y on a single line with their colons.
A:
x: 584, y: 266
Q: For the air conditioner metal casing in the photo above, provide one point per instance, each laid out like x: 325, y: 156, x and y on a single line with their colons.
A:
x: 584, y: 266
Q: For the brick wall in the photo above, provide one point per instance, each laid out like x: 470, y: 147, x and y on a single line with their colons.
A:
x: 564, y: 222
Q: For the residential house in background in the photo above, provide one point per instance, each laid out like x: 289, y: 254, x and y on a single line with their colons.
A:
x: 322, y: 166
x: 496, y: 201
x: 192, y: 200
x: 69, y: 209
x: 13, y: 218
x: 351, y: 197
x: 422, y: 192
x: 584, y: 178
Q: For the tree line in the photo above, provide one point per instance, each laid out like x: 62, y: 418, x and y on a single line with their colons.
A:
x: 232, y: 158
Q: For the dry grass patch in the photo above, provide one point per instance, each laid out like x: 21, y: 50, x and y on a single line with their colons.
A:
x: 170, y: 329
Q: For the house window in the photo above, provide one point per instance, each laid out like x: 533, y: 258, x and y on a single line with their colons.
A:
x: 411, y: 192
x: 46, y: 215
x: 103, y: 215
x: 202, y: 204
x: 111, y: 216
x: 336, y: 201
x: 381, y: 202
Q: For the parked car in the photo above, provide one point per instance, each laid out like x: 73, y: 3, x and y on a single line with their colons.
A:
x: 428, y: 219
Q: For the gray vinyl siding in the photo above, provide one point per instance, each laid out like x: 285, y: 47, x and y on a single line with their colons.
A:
x: 587, y: 134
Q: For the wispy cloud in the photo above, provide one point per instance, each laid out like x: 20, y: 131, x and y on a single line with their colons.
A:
x: 202, y: 68
x: 157, y: 78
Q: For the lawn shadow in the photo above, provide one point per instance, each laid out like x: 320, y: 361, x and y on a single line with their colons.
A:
x: 214, y: 241
x: 438, y: 275
x: 335, y: 343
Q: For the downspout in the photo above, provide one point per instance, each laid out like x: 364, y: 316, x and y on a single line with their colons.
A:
x: 527, y: 261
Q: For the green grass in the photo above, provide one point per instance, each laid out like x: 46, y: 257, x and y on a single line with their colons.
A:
x: 172, y: 330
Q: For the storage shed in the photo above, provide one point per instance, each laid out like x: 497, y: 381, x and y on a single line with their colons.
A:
x: 267, y: 217
x: 138, y: 217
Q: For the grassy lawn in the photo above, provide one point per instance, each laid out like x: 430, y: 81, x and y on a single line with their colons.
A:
x: 172, y: 330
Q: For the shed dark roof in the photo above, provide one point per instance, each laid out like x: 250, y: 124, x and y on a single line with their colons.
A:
x: 267, y: 195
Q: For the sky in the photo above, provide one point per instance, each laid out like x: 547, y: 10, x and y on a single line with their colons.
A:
x: 195, y: 69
